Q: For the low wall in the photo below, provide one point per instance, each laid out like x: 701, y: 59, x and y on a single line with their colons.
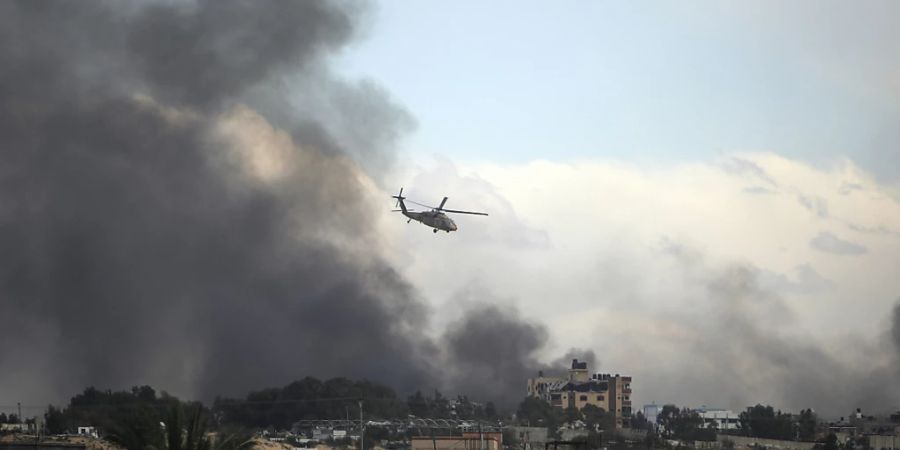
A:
x: 884, y: 442
x: 39, y: 446
x: 744, y: 442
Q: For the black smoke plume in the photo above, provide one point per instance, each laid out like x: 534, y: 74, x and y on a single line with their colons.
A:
x: 492, y: 351
x: 183, y: 203
x: 155, y: 228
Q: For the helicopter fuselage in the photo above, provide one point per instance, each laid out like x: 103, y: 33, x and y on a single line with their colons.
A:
x: 434, y: 219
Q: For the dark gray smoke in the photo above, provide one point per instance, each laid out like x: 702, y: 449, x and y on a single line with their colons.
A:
x: 492, y: 351
x: 895, y: 329
x: 143, y: 238
x: 564, y: 362
x: 158, y: 226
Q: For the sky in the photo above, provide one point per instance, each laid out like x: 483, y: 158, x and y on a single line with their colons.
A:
x: 635, y: 155
x: 704, y: 196
x: 654, y: 82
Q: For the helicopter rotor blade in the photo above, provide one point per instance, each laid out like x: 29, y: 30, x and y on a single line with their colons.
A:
x: 456, y: 211
x: 421, y: 204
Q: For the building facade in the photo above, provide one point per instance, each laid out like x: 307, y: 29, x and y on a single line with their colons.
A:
x: 611, y: 393
x: 468, y: 441
x: 721, y: 419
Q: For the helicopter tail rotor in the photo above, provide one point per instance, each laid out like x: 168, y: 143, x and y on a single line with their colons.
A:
x: 400, y: 199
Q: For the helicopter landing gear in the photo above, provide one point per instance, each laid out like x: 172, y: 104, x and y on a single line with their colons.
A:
x: 408, y: 220
x: 435, y: 230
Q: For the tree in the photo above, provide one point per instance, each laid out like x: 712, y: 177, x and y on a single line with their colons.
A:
x: 807, y: 425
x: 639, y: 422
x: 667, y: 418
x: 572, y: 414
x: 55, y: 420
x: 418, y: 405
x: 831, y: 442
x: 536, y: 412
x: 440, y: 406
x: 684, y: 424
x: 765, y: 422
x: 596, y: 418
x: 183, y: 428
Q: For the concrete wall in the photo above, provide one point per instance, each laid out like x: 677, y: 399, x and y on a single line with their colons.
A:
x: 884, y: 442
x: 39, y: 446
x: 571, y: 435
x: 531, y: 435
x: 743, y: 442
x: 454, y: 443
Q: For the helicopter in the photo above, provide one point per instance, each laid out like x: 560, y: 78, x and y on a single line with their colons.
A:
x: 435, y: 218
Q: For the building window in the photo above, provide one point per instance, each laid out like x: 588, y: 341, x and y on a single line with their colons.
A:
x: 599, y: 398
x: 584, y: 398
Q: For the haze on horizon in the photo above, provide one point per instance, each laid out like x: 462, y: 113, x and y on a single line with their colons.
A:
x: 704, y: 197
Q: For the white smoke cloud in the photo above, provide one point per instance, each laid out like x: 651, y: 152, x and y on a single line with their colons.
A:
x: 643, y: 264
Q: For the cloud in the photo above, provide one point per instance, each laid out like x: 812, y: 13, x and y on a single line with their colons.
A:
x: 817, y: 205
x: 848, y: 188
x: 674, y: 275
x: 759, y: 190
x: 741, y: 166
x: 829, y: 243
x: 805, y: 280
x: 742, y: 349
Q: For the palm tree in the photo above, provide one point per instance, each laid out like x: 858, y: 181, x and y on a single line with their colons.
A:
x: 178, y: 431
x: 191, y: 433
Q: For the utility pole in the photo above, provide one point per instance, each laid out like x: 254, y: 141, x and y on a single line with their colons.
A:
x: 362, y: 430
x: 19, y: 404
x: 480, y: 437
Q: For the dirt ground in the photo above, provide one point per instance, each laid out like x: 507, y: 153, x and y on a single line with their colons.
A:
x: 89, y: 443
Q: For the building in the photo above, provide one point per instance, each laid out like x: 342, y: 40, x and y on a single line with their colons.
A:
x: 17, y: 427
x: 468, y: 441
x: 531, y: 438
x: 651, y: 413
x: 722, y: 419
x: 88, y: 431
x: 579, y: 388
x: 879, y: 442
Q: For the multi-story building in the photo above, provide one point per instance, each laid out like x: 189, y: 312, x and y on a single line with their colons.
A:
x: 611, y: 393
x: 721, y: 419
